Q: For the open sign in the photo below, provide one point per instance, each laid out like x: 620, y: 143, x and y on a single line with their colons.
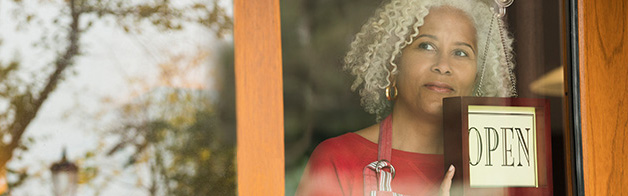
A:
x: 499, y: 146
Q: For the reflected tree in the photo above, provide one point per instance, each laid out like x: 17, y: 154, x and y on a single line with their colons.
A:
x: 22, y: 99
x: 177, y: 134
x: 176, y: 128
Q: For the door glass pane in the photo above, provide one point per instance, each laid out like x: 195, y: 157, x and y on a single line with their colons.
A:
x: 319, y: 103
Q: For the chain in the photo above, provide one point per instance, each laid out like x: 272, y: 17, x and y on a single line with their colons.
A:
x: 506, y: 62
x: 511, y: 75
x: 479, y: 92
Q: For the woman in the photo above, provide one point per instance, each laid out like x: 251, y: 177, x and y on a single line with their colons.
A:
x: 408, y: 57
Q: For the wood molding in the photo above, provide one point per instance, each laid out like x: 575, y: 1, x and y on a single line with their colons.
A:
x: 603, y: 53
x: 565, y: 28
x: 259, y: 98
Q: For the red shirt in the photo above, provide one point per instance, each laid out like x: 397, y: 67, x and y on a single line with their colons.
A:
x: 337, y: 164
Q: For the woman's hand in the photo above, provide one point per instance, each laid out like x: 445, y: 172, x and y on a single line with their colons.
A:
x: 446, y: 184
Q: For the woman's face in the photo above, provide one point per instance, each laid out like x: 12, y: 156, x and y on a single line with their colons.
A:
x: 441, y: 62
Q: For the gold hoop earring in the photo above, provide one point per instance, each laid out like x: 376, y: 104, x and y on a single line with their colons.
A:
x: 391, y: 92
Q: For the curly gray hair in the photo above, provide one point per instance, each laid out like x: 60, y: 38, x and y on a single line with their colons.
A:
x: 373, y: 53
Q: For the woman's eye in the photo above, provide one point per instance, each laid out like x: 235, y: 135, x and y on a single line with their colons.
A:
x: 426, y: 46
x: 460, y: 53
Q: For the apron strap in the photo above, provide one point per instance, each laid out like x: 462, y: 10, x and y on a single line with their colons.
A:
x: 378, y: 175
x: 384, y: 141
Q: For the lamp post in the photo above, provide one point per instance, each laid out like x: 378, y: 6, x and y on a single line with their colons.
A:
x: 64, y: 177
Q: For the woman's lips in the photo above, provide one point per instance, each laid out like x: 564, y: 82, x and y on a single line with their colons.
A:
x: 439, y: 87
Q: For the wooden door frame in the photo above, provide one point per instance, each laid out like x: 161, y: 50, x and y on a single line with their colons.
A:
x: 599, y: 72
x: 259, y: 98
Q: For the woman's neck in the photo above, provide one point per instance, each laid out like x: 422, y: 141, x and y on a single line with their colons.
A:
x: 421, y: 133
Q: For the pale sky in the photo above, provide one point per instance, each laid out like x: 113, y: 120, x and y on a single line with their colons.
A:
x: 74, y: 115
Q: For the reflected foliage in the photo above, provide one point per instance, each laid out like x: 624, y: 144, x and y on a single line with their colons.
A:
x: 24, y: 91
x: 175, y: 132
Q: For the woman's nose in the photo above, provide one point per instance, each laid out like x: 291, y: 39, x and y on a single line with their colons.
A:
x: 441, y: 66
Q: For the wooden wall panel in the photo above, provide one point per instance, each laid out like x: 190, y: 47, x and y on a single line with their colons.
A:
x: 259, y: 98
x: 603, y: 46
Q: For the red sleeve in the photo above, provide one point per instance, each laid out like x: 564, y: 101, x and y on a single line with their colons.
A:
x: 321, y: 175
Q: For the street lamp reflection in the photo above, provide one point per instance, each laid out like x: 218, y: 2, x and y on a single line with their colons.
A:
x: 64, y: 177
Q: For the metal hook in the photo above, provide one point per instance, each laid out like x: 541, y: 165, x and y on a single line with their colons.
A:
x: 502, y: 5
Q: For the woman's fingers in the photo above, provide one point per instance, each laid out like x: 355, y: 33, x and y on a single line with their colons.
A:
x: 446, y: 184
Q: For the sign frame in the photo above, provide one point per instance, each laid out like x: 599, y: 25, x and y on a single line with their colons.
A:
x: 456, y: 144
